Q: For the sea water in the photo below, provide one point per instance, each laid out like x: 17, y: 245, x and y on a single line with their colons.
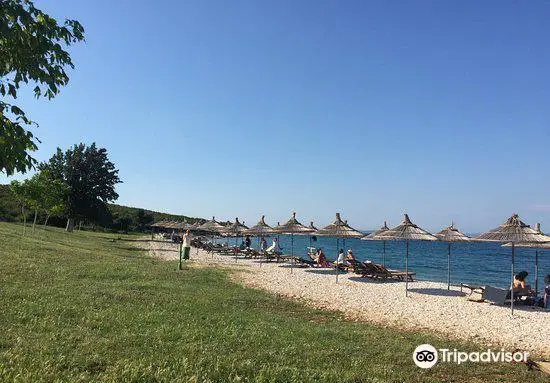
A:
x: 483, y: 263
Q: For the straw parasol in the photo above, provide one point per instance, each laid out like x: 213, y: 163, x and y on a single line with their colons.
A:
x: 154, y: 225
x: 339, y: 229
x: 451, y: 234
x: 292, y: 226
x: 406, y: 231
x: 370, y: 237
x: 236, y: 228
x: 312, y: 227
x: 537, y: 247
x: 514, y: 231
x: 260, y: 229
x: 212, y: 226
x: 313, y: 232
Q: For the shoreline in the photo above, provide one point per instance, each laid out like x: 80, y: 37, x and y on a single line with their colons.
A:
x: 429, y: 307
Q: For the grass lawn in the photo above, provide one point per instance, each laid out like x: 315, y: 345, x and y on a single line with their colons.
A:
x: 79, y: 307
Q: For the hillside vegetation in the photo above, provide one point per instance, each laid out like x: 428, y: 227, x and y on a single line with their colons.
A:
x: 120, y: 218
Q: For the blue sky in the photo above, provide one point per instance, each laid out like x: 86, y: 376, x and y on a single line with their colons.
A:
x: 371, y: 108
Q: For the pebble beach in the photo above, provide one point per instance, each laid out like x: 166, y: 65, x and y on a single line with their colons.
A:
x: 428, y: 307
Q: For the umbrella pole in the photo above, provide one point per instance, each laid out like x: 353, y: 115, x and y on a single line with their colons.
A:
x: 291, y: 252
x: 407, y: 271
x: 384, y: 254
x: 512, y: 289
x: 337, y: 252
x: 236, y: 241
x: 536, y: 272
x: 261, y: 255
x: 449, y: 267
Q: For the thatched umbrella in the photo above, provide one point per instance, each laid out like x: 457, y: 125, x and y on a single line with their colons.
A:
x: 339, y: 229
x: 313, y: 231
x: 292, y: 226
x: 537, y: 247
x: 154, y: 225
x: 236, y: 229
x: 514, y: 231
x: 260, y: 229
x: 371, y: 236
x: 212, y: 226
x: 451, y: 234
x: 406, y: 231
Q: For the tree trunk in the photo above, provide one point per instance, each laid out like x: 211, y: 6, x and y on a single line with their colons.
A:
x: 46, y: 222
x: 24, y: 213
x: 34, y: 221
x: 70, y: 225
x: 79, y: 225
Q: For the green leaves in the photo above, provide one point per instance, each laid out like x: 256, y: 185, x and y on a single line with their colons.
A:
x: 89, y: 176
x: 31, y: 50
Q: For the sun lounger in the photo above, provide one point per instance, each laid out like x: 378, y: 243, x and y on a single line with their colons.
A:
x: 495, y: 295
x: 366, y: 270
x: 272, y: 255
x: 396, y: 274
x: 303, y: 262
x: 371, y: 270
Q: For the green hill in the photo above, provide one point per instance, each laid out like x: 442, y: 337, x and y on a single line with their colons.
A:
x: 120, y: 218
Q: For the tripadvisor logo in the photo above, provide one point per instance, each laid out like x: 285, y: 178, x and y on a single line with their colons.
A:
x: 426, y: 356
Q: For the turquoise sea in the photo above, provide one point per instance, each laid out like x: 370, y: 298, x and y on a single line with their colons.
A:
x: 483, y: 263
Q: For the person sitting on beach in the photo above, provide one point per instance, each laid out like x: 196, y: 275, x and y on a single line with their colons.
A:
x: 274, y: 248
x: 322, y: 259
x: 263, y: 244
x: 340, y: 262
x: 340, y: 259
x: 349, y: 256
x: 242, y: 246
x: 519, y: 284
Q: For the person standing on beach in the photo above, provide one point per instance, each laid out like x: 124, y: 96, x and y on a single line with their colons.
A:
x: 186, y: 243
x: 247, y: 242
x: 263, y: 244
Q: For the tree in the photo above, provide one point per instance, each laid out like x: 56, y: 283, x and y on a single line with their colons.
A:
x: 31, y: 50
x: 90, y: 178
x: 53, y: 195
x: 33, y: 192
x: 143, y: 219
x: 20, y: 193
